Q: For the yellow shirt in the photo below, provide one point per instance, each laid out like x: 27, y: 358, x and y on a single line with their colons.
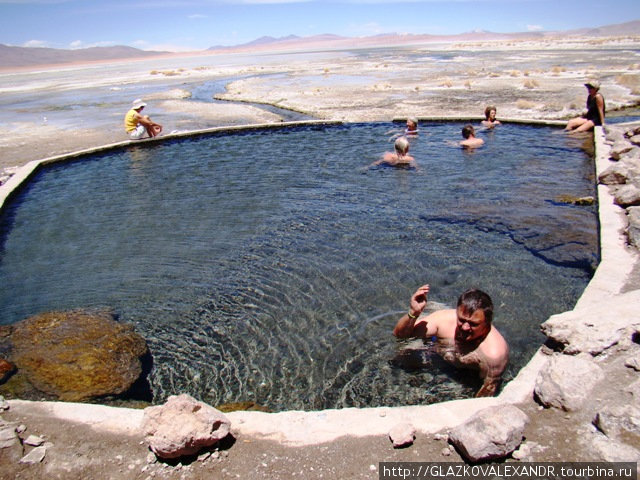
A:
x: 130, y: 122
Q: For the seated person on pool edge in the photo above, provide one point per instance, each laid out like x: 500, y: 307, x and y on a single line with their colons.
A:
x: 465, y: 335
x: 136, y: 124
x: 594, y: 115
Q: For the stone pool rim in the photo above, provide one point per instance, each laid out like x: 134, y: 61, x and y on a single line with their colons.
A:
x: 295, y: 427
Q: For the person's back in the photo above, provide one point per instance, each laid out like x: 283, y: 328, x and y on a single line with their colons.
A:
x: 401, y: 157
x: 470, y: 140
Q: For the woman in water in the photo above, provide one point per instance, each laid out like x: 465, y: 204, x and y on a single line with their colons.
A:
x: 490, y: 117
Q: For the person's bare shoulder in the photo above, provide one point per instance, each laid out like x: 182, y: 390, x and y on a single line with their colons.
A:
x: 495, y: 348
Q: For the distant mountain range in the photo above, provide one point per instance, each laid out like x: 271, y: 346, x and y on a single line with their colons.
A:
x: 12, y: 57
x: 391, y: 39
x: 32, y: 56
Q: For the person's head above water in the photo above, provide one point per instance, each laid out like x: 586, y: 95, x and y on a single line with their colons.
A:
x: 401, y: 145
x: 488, y: 112
x: 474, y: 299
x: 468, y: 131
x: 412, y: 124
x: 474, y: 314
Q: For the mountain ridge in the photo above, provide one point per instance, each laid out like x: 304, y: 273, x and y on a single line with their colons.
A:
x: 17, y: 57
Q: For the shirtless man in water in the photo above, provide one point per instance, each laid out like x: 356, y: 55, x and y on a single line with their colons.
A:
x: 465, y: 336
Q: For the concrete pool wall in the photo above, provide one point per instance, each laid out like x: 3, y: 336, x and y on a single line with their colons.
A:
x: 302, y: 427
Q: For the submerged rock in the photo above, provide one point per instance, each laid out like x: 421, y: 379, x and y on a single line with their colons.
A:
x: 78, y: 355
x: 6, y: 369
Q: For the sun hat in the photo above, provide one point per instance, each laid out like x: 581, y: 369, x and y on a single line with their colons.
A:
x: 593, y: 84
x: 138, y: 103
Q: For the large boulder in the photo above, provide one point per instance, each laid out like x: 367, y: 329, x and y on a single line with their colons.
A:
x: 566, y: 381
x: 619, y: 422
x: 183, y: 426
x: 78, y: 355
x: 615, y: 174
x: 626, y: 196
x: 491, y: 433
x: 596, y: 328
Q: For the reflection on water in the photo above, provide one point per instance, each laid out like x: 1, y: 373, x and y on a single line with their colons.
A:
x: 272, y: 266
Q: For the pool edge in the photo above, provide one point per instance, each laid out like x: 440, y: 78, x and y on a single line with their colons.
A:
x: 312, y: 427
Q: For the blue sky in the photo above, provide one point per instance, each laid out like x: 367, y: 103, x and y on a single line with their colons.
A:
x: 198, y: 24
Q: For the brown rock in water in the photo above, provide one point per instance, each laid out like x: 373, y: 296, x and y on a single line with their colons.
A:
x: 6, y: 369
x: 78, y: 355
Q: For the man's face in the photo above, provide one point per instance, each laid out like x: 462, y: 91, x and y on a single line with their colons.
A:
x: 471, y: 326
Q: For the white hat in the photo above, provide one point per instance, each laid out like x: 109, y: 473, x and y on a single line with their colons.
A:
x: 138, y: 103
x: 593, y: 84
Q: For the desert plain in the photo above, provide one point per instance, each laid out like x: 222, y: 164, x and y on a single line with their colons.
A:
x: 57, y: 109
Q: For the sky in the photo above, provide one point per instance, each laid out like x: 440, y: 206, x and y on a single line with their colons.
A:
x: 174, y: 25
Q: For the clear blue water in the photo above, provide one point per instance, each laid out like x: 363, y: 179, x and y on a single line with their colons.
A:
x: 272, y: 265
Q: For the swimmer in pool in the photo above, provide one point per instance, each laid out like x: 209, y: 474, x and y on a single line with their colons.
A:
x: 412, y: 127
x: 465, y: 336
x: 470, y: 140
x: 399, y: 158
x: 490, y: 117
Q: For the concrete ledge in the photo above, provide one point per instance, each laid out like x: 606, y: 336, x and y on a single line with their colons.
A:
x: 522, y: 121
x: 293, y: 428
x: 28, y: 170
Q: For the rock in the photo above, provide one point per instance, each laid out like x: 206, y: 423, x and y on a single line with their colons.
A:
x: 522, y: 452
x: 8, y: 435
x: 78, y: 355
x: 619, y: 148
x: 633, y: 362
x: 183, y: 426
x: 627, y: 196
x: 634, y: 390
x: 6, y: 369
x: 34, y: 456
x: 595, y: 328
x: 4, y: 405
x: 619, y: 422
x: 635, y: 139
x: 402, y: 435
x: 491, y: 433
x: 571, y: 200
x: 34, y: 441
x: 613, y: 451
x: 10, y: 446
x: 566, y: 381
x: 615, y: 174
x: 633, y: 232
